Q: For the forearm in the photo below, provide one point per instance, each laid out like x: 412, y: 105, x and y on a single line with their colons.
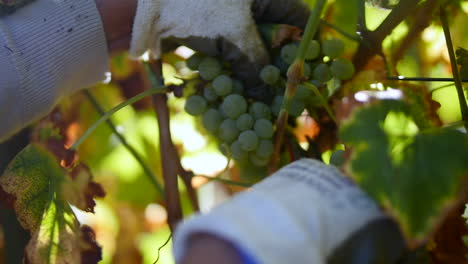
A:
x: 48, y: 49
x: 117, y: 18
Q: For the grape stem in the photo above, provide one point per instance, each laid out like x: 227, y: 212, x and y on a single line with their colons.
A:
x: 109, y: 113
x: 453, y: 61
x: 148, y: 172
x: 322, y: 101
x: 295, y: 76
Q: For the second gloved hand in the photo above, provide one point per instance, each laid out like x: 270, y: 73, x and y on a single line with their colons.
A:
x: 307, y: 212
x: 225, y: 28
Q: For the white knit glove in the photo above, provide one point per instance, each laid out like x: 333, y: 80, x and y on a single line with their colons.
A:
x: 230, y: 19
x: 305, y: 213
x: 224, y: 28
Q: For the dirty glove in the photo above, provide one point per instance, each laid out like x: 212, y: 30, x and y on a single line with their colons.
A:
x: 225, y: 28
x: 307, y: 212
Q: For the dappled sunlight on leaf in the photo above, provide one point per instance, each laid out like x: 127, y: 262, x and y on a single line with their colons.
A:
x: 414, y: 173
x: 39, y: 185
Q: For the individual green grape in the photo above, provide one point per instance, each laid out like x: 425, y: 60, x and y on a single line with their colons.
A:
x: 337, y: 158
x: 322, y: 73
x: 194, y: 61
x: 234, y: 105
x: 210, y: 68
x: 265, y: 149
x: 270, y: 74
x: 195, y: 105
x: 259, y: 110
x: 257, y: 160
x: 342, y: 69
x: 289, y: 52
x: 303, y: 92
x: 209, y: 93
x: 228, y: 131
x: 281, y: 64
x: 245, y: 122
x: 263, y: 128
x: 222, y: 85
x: 333, y: 48
x: 212, y: 119
x: 237, y: 152
x: 248, y: 140
x: 313, y: 51
x: 237, y: 87
x: 276, y: 104
x: 296, y: 108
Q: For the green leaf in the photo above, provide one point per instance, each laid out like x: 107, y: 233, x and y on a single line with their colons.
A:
x: 413, y: 173
x: 345, y: 15
x: 462, y: 60
x: 42, y: 192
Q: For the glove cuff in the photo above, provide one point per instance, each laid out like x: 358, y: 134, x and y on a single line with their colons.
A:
x: 145, y: 32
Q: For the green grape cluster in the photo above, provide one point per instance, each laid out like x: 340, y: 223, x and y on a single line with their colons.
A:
x: 243, y: 126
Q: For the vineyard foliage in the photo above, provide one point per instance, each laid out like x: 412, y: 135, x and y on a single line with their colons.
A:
x: 403, y: 142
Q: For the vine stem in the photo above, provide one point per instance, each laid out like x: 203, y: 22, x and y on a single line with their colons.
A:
x: 295, y: 76
x: 148, y: 172
x: 170, y: 161
x: 372, y: 40
x: 114, y: 110
x: 453, y: 61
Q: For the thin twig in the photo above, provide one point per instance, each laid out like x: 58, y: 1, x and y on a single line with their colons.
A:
x: 453, y: 61
x: 422, y: 79
x: 353, y: 37
x: 125, y: 143
x: 161, y: 247
x: 186, y: 177
x: 372, y: 40
x: 403, y: 9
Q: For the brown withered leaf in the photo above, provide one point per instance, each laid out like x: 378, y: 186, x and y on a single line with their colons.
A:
x: 41, y: 192
x: 446, y: 245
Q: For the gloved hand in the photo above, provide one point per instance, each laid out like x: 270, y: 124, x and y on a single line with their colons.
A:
x: 225, y: 28
x: 307, y: 212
